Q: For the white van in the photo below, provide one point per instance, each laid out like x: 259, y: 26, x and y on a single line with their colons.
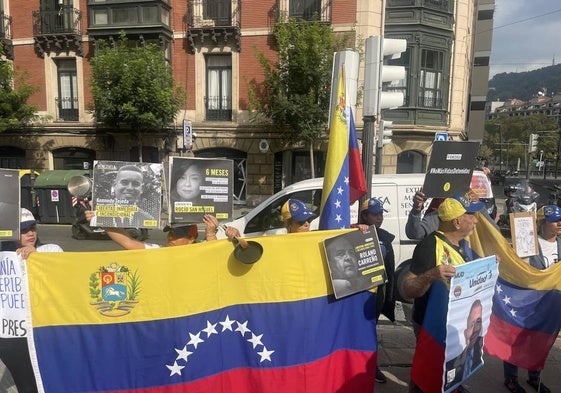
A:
x: 396, y: 191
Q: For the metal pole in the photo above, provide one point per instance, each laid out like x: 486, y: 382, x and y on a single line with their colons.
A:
x: 378, y: 167
x: 368, y: 134
x: 500, y: 150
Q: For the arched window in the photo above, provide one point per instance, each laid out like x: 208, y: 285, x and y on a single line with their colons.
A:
x: 411, y: 161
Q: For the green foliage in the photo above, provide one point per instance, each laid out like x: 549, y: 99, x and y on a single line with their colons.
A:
x: 525, y: 85
x: 95, y: 292
x: 513, y: 134
x: 296, y: 90
x: 134, y: 286
x: 14, y: 93
x: 132, y: 86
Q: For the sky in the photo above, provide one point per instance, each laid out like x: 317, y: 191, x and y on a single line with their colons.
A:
x: 526, y: 35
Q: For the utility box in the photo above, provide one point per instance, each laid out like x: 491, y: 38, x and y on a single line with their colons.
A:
x: 54, y: 202
x: 27, y: 182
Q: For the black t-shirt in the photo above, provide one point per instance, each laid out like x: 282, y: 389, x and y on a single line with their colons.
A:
x: 424, y: 259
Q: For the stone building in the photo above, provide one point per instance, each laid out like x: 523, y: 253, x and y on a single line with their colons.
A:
x: 210, y: 45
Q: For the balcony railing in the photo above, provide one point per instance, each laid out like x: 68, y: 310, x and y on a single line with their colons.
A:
x: 213, y: 13
x: 429, y: 102
x: 67, y: 108
x: 306, y: 10
x: 66, y: 20
x: 218, y: 108
x: 6, y: 27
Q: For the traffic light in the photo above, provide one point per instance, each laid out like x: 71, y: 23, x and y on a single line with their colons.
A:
x: 533, y: 144
x: 384, y: 133
x: 376, y: 74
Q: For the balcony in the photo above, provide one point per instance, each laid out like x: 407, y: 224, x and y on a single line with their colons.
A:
x: 6, y: 35
x: 213, y: 23
x: 304, y: 10
x: 67, y: 109
x: 57, y: 31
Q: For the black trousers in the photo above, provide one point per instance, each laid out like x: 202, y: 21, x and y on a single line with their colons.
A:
x: 14, y: 352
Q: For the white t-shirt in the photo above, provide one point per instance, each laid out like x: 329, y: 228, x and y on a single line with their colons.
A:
x: 151, y: 245
x: 549, y: 251
x: 49, y: 248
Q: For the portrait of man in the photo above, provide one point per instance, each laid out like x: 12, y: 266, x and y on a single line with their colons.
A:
x: 459, y: 368
x: 126, y: 194
x: 343, y: 265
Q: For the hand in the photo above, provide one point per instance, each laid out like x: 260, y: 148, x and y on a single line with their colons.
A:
x: 25, y: 251
x: 442, y: 272
x: 90, y: 214
x: 363, y: 227
x: 211, y: 223
x: 419, y: 200
x: 232, y: 232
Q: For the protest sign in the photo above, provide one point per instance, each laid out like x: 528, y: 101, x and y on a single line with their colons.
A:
x: 200, y: 186
x: 355, y: 262
x: 450, y: 168
x: 127, y: 194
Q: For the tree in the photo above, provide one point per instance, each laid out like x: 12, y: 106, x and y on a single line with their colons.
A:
x: 133, y: 88
x: 294, y: 96
x: 14, y: 93
x: 510, y: 136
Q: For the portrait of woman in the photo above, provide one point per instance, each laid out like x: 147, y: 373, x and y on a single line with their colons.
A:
x: 186, y: 180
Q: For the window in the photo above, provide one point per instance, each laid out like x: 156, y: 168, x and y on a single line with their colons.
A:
x: 12, y: 157
x: 430, y: 79
x: 219, y: 87
x: 305, y: 9
x: 411, y: 161
x: 218, y: 11
x: 73, y: 158
x: 67, y: 101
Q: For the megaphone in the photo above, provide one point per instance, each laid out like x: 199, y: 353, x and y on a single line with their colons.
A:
x: 80, y: 186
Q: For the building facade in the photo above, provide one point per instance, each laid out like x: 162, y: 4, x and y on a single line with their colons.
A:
x: 211, y: 45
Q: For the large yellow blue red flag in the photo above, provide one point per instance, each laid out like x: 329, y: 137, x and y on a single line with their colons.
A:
x: 195, y: 319
x: 343, y: 183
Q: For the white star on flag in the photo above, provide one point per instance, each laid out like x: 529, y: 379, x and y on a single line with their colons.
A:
x: 265, y: 355
x: 340, y: 190
x: 338, y: 218
x: 175, y: 369
x: 242, y: 328
x: 337, y: 203
x: 227, y: 324
x: 210, y: 329
x: 513, y: 312
x: 183, y: 353
x: 195, y: 340
x: 499, y: 289
x: 255, y: 340
x: 506, y: 299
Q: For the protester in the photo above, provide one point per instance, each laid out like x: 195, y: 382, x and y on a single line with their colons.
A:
x: 470, y: 358
x: 14, y: 352
x: 549, y: 241
x: 177, y: 235
x: 296, y: 216
x: 435, y: 256
x: 372, y: 213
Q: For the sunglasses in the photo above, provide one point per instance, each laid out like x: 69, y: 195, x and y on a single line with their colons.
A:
x: 26, y: 230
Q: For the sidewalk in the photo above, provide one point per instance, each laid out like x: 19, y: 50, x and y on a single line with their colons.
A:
x: 396, y: 345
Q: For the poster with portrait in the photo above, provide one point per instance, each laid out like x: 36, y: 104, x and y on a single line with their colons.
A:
x: 524, y: 234
x: 9, y: 204
x: 450, y: 168
x: 469, y: 312
x: 355, y: 262
x: 200, y: 186
x: 127, y: 194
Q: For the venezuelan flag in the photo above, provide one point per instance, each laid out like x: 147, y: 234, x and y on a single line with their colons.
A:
x: 524, y: 323
x: 357, y: 180
x: 335, y: 206
x: 194, y: 319
x: 428, y: 362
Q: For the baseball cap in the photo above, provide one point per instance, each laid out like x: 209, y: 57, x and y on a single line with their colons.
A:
x: 457, y: 205
x: 26, y: 219
x: 297, y: 210
x: 373, y: 205
x: 183, y: 230
x: 550, y: 213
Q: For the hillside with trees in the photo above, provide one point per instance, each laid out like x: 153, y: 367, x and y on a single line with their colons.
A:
x: 525, y: 85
